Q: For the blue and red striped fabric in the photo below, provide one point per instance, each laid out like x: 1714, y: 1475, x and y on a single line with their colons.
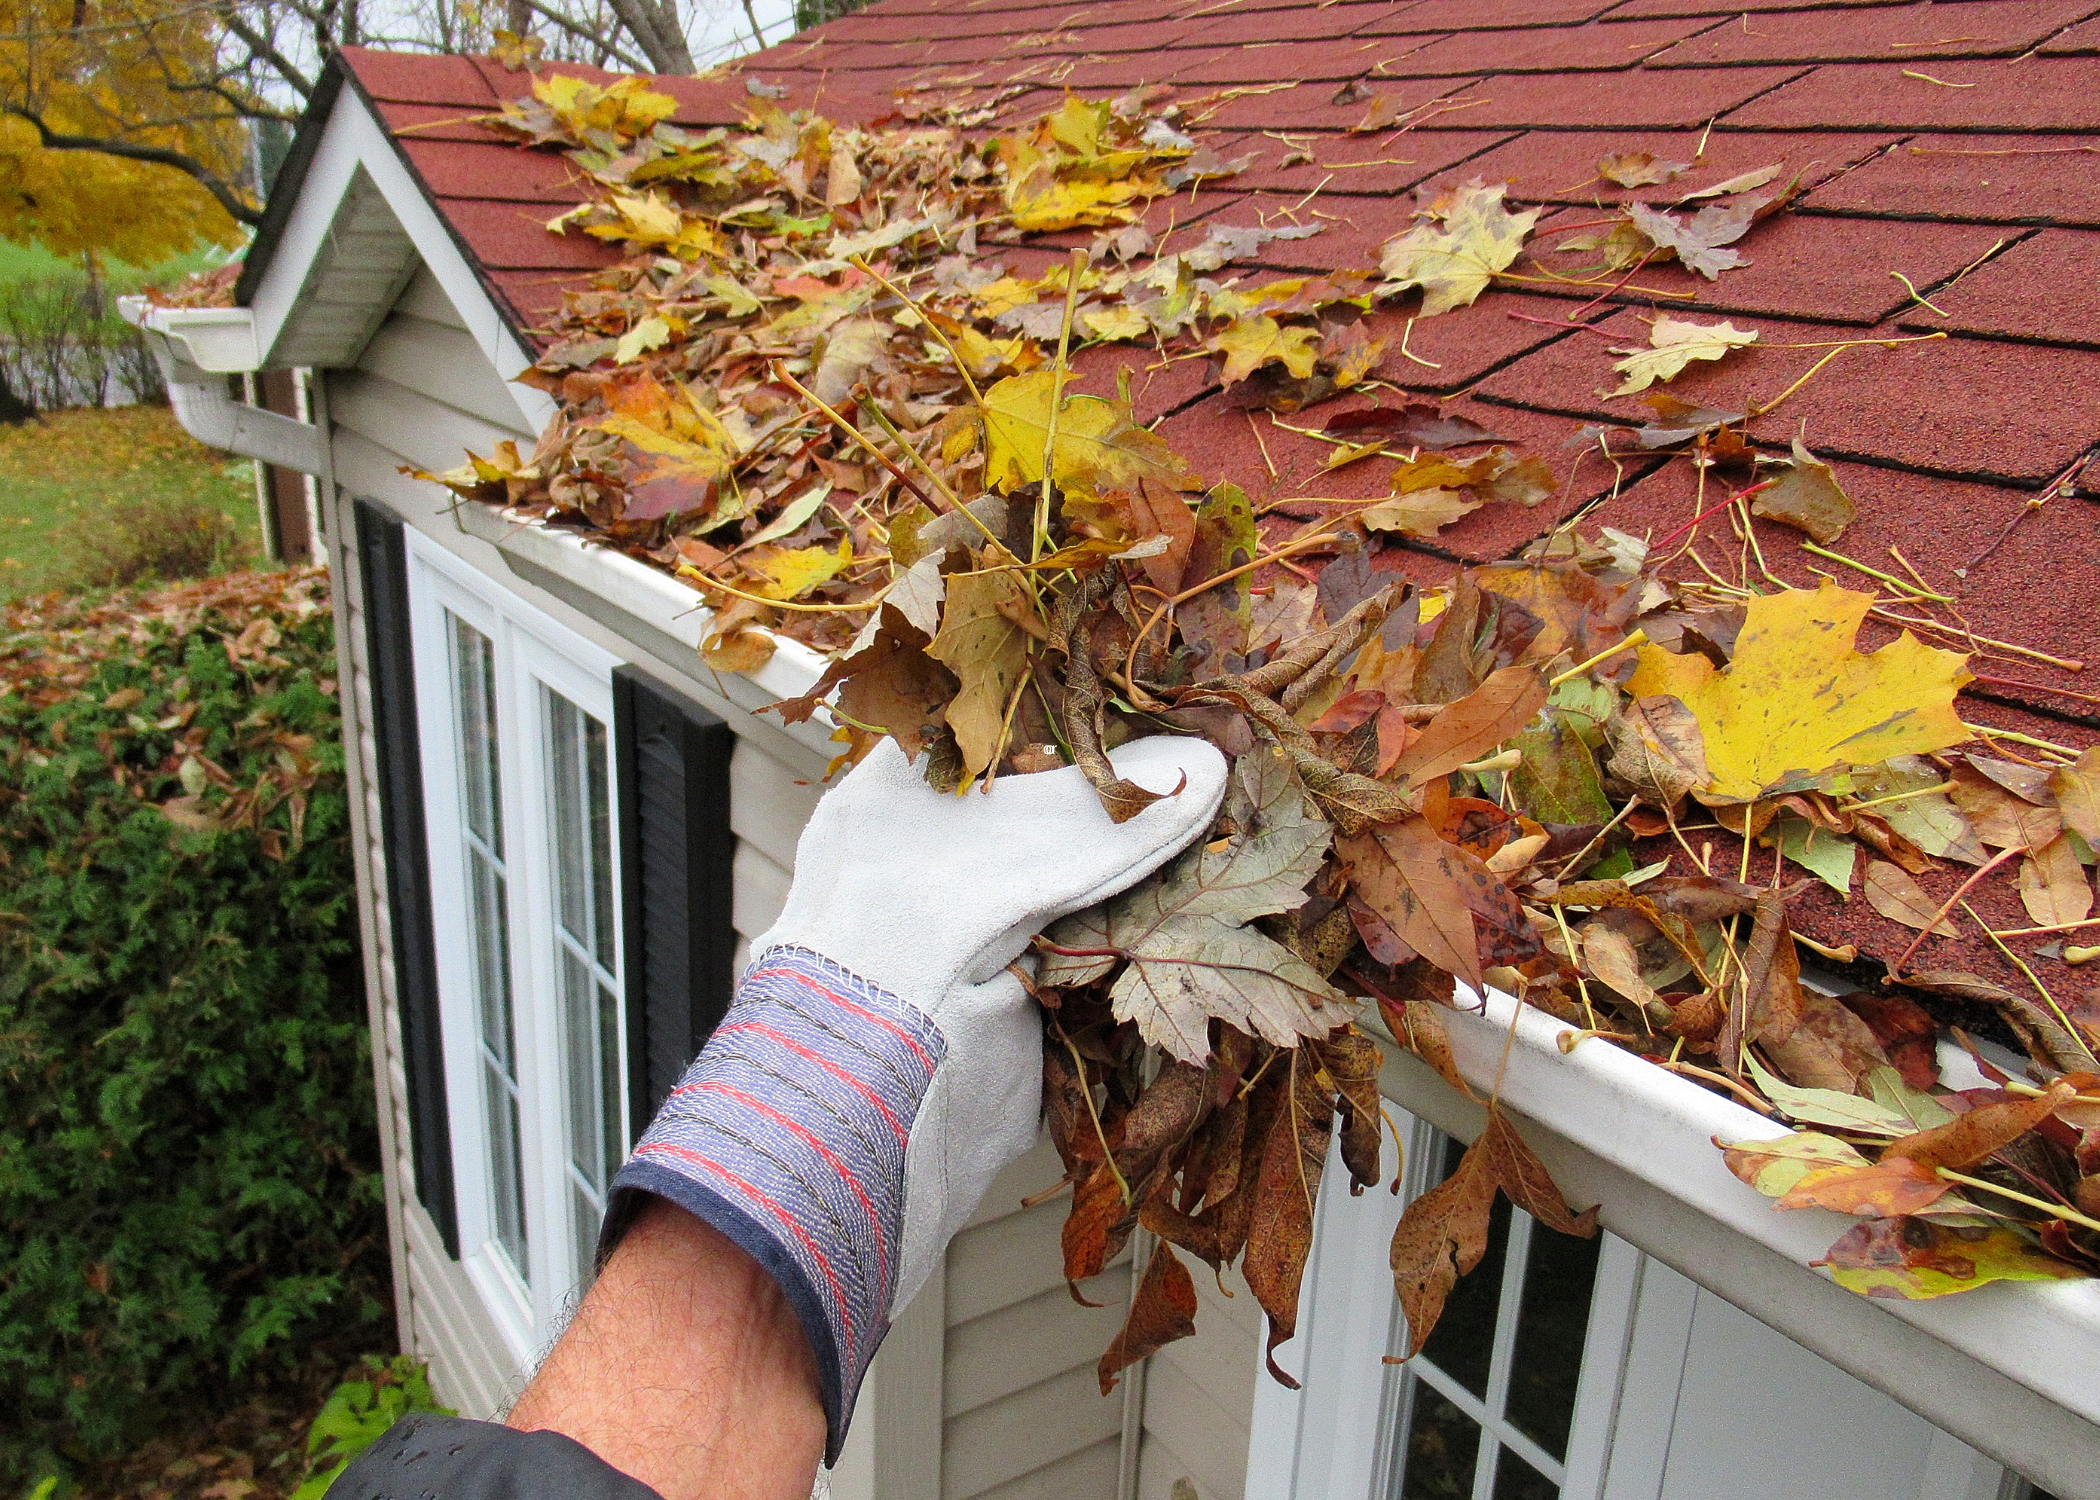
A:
x: 788, y: 1135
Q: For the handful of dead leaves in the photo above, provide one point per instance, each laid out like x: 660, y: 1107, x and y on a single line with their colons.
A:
x: 807, y: 393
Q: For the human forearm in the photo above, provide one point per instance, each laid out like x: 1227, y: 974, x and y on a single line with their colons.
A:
x: 685, y: 1368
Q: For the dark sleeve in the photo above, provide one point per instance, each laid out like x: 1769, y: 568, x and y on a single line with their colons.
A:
x: 426, y: 1457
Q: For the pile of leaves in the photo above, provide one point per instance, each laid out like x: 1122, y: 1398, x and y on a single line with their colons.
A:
x: 809, y: 392
x: 192, y: 1198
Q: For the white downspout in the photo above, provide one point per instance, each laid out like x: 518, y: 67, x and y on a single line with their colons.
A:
x: 197, y: 348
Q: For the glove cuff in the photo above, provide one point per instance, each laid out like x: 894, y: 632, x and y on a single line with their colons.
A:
x: 788, y: 1135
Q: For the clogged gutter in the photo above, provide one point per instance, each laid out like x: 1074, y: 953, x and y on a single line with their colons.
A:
x: 814, y: 393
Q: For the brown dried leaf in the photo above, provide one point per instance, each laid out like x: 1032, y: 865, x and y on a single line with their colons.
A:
x: 988, y: 652
x: 1657, y: 749
x: 1885, y: 1190
x: 1891, y: 891
x: 2077, y: 791
x: 1286, y: 1190
x: 1163, y: 1310
x: 2053, y: 885
x: 1525, y: 1180
x: 1440, y: 1238
x: 1351, y: 1060
x: 2001, y: 819
x: 1969, y: 1138
x: 1807, y: 497
x: 1473, y: 726
x: 1419, y: 884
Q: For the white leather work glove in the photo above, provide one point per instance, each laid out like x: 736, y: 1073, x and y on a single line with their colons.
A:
x: 879, y: 1065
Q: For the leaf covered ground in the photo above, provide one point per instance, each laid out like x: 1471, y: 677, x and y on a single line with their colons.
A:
x: 1596, y: 776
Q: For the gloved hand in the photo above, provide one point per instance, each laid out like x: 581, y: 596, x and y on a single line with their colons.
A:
x: 879, y: 1064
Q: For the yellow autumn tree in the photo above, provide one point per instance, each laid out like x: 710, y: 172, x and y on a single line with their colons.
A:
x: 116, y: 133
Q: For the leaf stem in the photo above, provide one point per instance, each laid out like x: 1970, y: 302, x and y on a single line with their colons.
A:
x: 1896, y: 968
x: 961, y: 366
x: 780, y: 373
x: 1059, y: 373
x: 1638, y: 638
x: 1086, y: 1092
x: 2053, y: 1210
x: 1322, y: 534
x: 1889, y: 578
x: 1763, y: 408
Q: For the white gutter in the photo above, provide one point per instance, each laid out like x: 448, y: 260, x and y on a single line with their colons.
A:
x: 197, y: 348
x: 2011, y: 1368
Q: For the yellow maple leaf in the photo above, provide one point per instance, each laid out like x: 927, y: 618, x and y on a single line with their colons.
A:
x: 787, y: 572
x: 987, y: 651
x: 1250, y: 343
x: 1797, y: 699
x: 1122, y: 321
x: 1453, y: 254
x: 1099, y: 444
x: 1675, y: 343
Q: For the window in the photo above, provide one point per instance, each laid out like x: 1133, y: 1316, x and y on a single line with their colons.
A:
x: 1485, y: 1410
x: 522, y: 847
x: 1564, y: 1369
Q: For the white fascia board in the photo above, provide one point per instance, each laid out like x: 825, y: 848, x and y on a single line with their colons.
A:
x: 650, y: 608
x: 1659, y: 1129
x: 354, y: 138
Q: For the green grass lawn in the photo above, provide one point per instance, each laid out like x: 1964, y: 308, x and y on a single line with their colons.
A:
x: 70, y: 472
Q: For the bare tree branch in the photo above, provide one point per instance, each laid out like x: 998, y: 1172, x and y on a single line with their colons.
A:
x: 585, y: 34
x: 260, y: 47
x: 214, y: 184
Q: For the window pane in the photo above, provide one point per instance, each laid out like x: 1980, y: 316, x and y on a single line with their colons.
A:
x: 1551, y: 1321
x: 1462, y: 1344
x: 580, y: 1058
x: 1443, y: 1445
x: 595, y: 770
x: 508, y: 1174
x: 1517, y: 1480
x: 571, y: 808
x: 474, y: 677
x: 584, y: 1215
x: 612, y: 1137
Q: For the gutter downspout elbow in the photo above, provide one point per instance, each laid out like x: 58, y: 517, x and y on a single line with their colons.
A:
x: 196, y: 349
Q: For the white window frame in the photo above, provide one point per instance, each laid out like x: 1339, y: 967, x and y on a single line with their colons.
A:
x: 1335, y: 1438
x: 532, y: 652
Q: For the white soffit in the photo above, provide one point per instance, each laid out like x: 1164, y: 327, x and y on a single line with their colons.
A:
x: 355, y: 235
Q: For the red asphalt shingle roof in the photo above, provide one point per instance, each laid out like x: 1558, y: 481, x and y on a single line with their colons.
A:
x: 1957, y: 144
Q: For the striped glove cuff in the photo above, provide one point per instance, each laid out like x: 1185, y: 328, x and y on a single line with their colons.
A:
x: 788, y: 1135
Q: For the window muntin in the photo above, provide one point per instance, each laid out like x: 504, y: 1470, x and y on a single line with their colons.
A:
x: 1485, y: 1410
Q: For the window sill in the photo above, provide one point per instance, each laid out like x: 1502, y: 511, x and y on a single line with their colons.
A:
x: 2008, y: 1367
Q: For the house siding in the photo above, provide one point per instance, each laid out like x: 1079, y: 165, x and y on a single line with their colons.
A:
x: 996, y: 1356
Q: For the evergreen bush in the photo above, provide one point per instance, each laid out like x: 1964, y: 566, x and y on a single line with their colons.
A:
x: 189, y: 1188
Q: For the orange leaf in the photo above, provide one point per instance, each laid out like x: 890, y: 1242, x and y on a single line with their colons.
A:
x: 1895, y: 1185
x: 1163, y: 1310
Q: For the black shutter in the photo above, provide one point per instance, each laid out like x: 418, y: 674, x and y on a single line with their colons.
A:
x: 382, y: 556
x: 676, y: 849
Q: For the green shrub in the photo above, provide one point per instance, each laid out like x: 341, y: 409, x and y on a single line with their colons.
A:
x: 188, y: 1179
x: 358, y: 1414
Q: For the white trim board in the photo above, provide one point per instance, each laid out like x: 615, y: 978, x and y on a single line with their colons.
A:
x: 353, y: 139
